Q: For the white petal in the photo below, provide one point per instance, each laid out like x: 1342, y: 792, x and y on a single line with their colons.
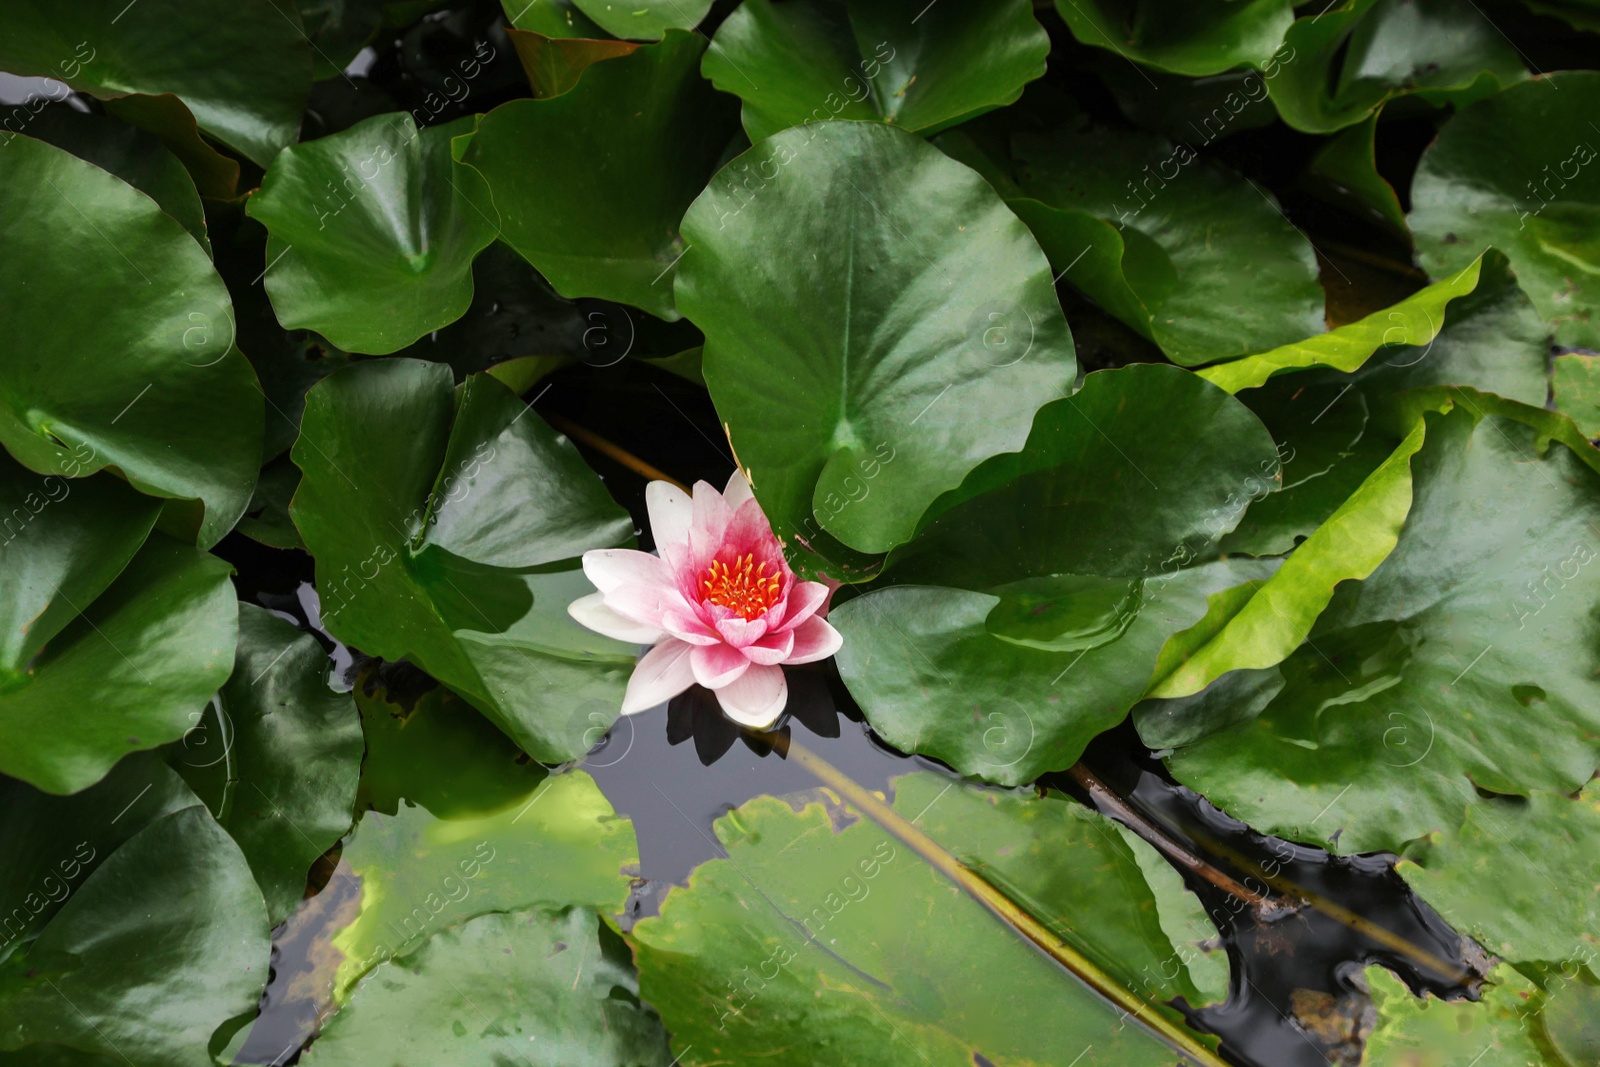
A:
x: 738, y: 490
x: 608, y: 568
x: 814, y: 639
x: 670, y: 513
x: 757, y: 698
x: 591, y: 611
x: 662, y: 674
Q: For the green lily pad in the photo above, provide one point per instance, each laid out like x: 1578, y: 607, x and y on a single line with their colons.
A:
x: 162, y: 944
x: 1348, y: 63
x: 137, y: 157
x: 1572, y: 1021
x: 252, y: 102
x: 828, y: 931
x: 643, y: 20
x: 1191, y: 255
x: 276, y: 757
x: 551, y: 18
x: 863, y: 59
x: 1077, y: 872
x: 1459, y: 663
x: 590, y: 185
x: 267, y: 518
x: 1575, y: 387
x: 1517, y: 171
x: 558, y: 845
x: 1428, y: 1032
x: 1181, y: 37
x: 374, y: 230
x: 430, y: 554
x: 847, y: 381
x: 150, y: 383
x: 554, y: 64
x: 1516, y: 874
x: 530, y: 987
x: 108, y: 647
x: 1349, y: 164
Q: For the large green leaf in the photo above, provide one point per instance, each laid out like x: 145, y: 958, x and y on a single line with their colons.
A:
x: 557, y: 845
x: 1188, y: 253
x: 643, y: 20
x: 1575, y: 389
x: 108, y: 647
x: 1463, y: 661
x: 1179, y: 35
x: 243, y: 67
x: 149, y: 382
x: 1098, y: 888
x: 590, y: 185
x: 374, y: 230
x: 1517, y: 875
x: 863, y: 59
x: 873, y: 959
x: 1428, y: 1032
x: 277, y: 756
x: 539, y: 986
x: 1348, y: 63
x: 161, y: 945
x: 848, y: 377
x: 429, y: 555
x: 1516, y: 171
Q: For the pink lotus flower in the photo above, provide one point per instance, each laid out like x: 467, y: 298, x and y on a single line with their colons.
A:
x: 719, y: 604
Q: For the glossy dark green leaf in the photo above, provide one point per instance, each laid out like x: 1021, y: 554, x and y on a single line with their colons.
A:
x: 137, y: 157
x: 1348, y: 62
x: 555, y: 63
x: 1517, y: 171
x: 590, y: 185
x: 1191, y: 255
x: 1348, y: 164
x: 150, y: 382
x: 1139, y: 472
x: 250, y: 101
x: 933, y: 678
x: 434, y: 749
x: 277, y: 756
x: 557, y: 845
x: 129, y: 643
x: 1107, y: 893
x: 551, y: 18
x: 373, y: 233
x: 425, y: 510
x: 847, y: 379
x: 529, y: 987
x: 1460, y: 662
x: 643, y: 20
x: 165, y: 117
x: 161, y: 945
x: 267, y: 518
x: 1178, y: 36
x: 1516, y: 874
x: 793, y: 63
x: 831, y: 933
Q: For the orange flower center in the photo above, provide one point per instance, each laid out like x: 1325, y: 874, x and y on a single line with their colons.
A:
x: 745, y: 587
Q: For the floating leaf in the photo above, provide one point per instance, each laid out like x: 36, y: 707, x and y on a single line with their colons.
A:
x: 108, y: 647
x: 1182, y: 37
x: 1459, y: 662
x: 1517, y: 171
x: 161, y: 945
x: 109, y: 49
x: 277, y: 756
x: 1428, y: 1032
x: 847, y: 379
x: 150, y: 383
x: 559, y: 996
x: 554, y: 64
x: 1348, y: 163
x: 1575, y: 387
x: 862, y: 59
x: 429, y: 555
x: 1348, y: 63
x: 373, y: 233
x: 829, y: 932
x: 1189, y: 254
x: 558, y: 845
x: 643, y: 20
x: 590, y: 185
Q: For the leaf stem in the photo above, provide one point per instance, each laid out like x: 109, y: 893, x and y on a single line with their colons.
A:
x: 615, y: 451
x: 1002, y: 906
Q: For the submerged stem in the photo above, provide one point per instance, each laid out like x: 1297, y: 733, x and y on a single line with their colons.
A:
x: 1002, y: 906
x: 615, y: 451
